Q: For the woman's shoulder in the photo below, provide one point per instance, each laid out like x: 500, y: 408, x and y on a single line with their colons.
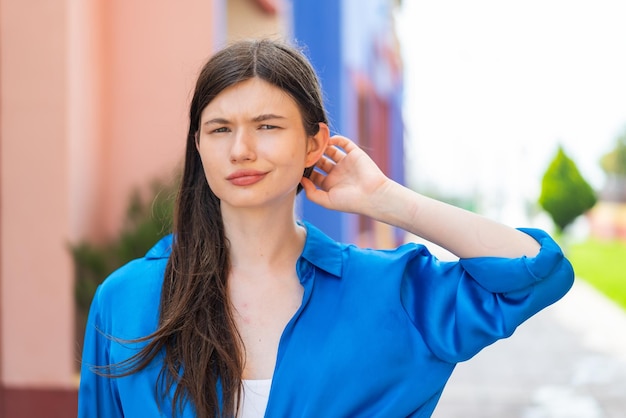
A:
x: 137, y: 284
x: 329, y: 254
x: 342, y: 258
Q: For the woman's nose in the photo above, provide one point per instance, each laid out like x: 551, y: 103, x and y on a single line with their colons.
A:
x: 243, y: 146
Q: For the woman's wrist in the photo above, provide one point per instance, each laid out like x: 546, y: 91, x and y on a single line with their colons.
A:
x: 393, y: 204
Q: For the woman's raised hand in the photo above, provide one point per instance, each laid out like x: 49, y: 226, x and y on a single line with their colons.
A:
x: 349, y: 180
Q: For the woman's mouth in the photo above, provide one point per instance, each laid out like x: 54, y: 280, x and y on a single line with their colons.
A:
x: 246, y: 177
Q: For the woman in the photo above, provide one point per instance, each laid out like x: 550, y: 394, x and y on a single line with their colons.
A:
x: 246, y: 311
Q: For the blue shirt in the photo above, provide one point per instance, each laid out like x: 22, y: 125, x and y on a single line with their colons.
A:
x: 378, y: 333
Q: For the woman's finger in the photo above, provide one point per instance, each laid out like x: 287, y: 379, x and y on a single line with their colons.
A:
x: 343, y: 142
x: 325, y: 164
x: 335, y: 154
x: 317, y: 178
x: 314, y: 194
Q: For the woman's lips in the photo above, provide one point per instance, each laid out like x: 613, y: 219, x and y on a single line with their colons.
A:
x: 246, y: 177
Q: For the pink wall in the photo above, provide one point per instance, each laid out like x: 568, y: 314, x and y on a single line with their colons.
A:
x: 93, y: 102
x: 85, y: 75
x: 36, y: 270
x: 152, y: 53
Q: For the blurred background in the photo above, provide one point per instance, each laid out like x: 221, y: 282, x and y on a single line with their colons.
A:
x: 511, y: 109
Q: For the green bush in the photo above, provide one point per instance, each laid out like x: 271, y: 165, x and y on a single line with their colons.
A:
x: 565, y: 194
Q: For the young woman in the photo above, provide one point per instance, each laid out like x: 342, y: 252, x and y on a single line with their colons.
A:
x: 247, y: 311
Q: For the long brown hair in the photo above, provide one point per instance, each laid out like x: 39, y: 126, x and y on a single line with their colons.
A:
x: 197, y: 332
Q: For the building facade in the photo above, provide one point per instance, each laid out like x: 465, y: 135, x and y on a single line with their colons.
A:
x: 93, y: 102
x: 354, y: 48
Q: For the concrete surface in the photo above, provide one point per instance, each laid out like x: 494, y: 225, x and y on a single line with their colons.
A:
x: 568, y: 361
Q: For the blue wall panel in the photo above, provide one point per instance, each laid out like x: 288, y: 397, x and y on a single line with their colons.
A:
x: 317, y: 27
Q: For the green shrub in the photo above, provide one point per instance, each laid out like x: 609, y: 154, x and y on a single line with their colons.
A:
x: 565, y: 194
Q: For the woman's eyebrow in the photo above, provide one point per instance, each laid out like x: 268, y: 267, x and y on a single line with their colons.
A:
x: 218, y: 121
x: 259, y: 118
x: 266, y: 116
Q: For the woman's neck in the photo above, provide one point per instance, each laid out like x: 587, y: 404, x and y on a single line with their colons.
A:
x: 263, y: 241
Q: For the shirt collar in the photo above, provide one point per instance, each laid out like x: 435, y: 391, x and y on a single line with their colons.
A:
x: 319, y: 249
x: 322, y: 251
x: 161, y: 249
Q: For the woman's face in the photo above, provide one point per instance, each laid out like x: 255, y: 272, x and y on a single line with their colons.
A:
x: 253, y: 145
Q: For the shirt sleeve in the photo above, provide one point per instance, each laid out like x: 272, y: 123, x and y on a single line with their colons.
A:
x: 461, y: 307
x: 97, y: 395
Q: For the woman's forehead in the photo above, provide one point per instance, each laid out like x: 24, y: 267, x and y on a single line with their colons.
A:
x: 251, y: 97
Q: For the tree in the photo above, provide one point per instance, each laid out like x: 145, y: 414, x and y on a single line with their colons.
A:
x: 565, y: 194
x: 614, y: 165
x: 614, y: 162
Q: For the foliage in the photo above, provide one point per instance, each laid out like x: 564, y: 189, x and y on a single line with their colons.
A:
x: 614, y: 162
x: 601, y: 264
x: 148, y: 218
x: 565, y: 194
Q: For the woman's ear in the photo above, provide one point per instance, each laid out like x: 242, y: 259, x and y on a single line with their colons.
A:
x: 317, y: 144
x: 196, y: 139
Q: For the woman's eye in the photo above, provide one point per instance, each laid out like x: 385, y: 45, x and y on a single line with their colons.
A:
x: 268, y: 127
x: 220, y: 130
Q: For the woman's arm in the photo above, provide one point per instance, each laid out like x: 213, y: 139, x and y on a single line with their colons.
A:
x: 351, y: 182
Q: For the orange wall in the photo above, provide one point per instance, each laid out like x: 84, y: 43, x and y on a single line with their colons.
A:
x: 93, y: 101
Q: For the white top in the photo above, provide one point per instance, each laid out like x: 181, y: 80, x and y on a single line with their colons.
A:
x: 255, y: 396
